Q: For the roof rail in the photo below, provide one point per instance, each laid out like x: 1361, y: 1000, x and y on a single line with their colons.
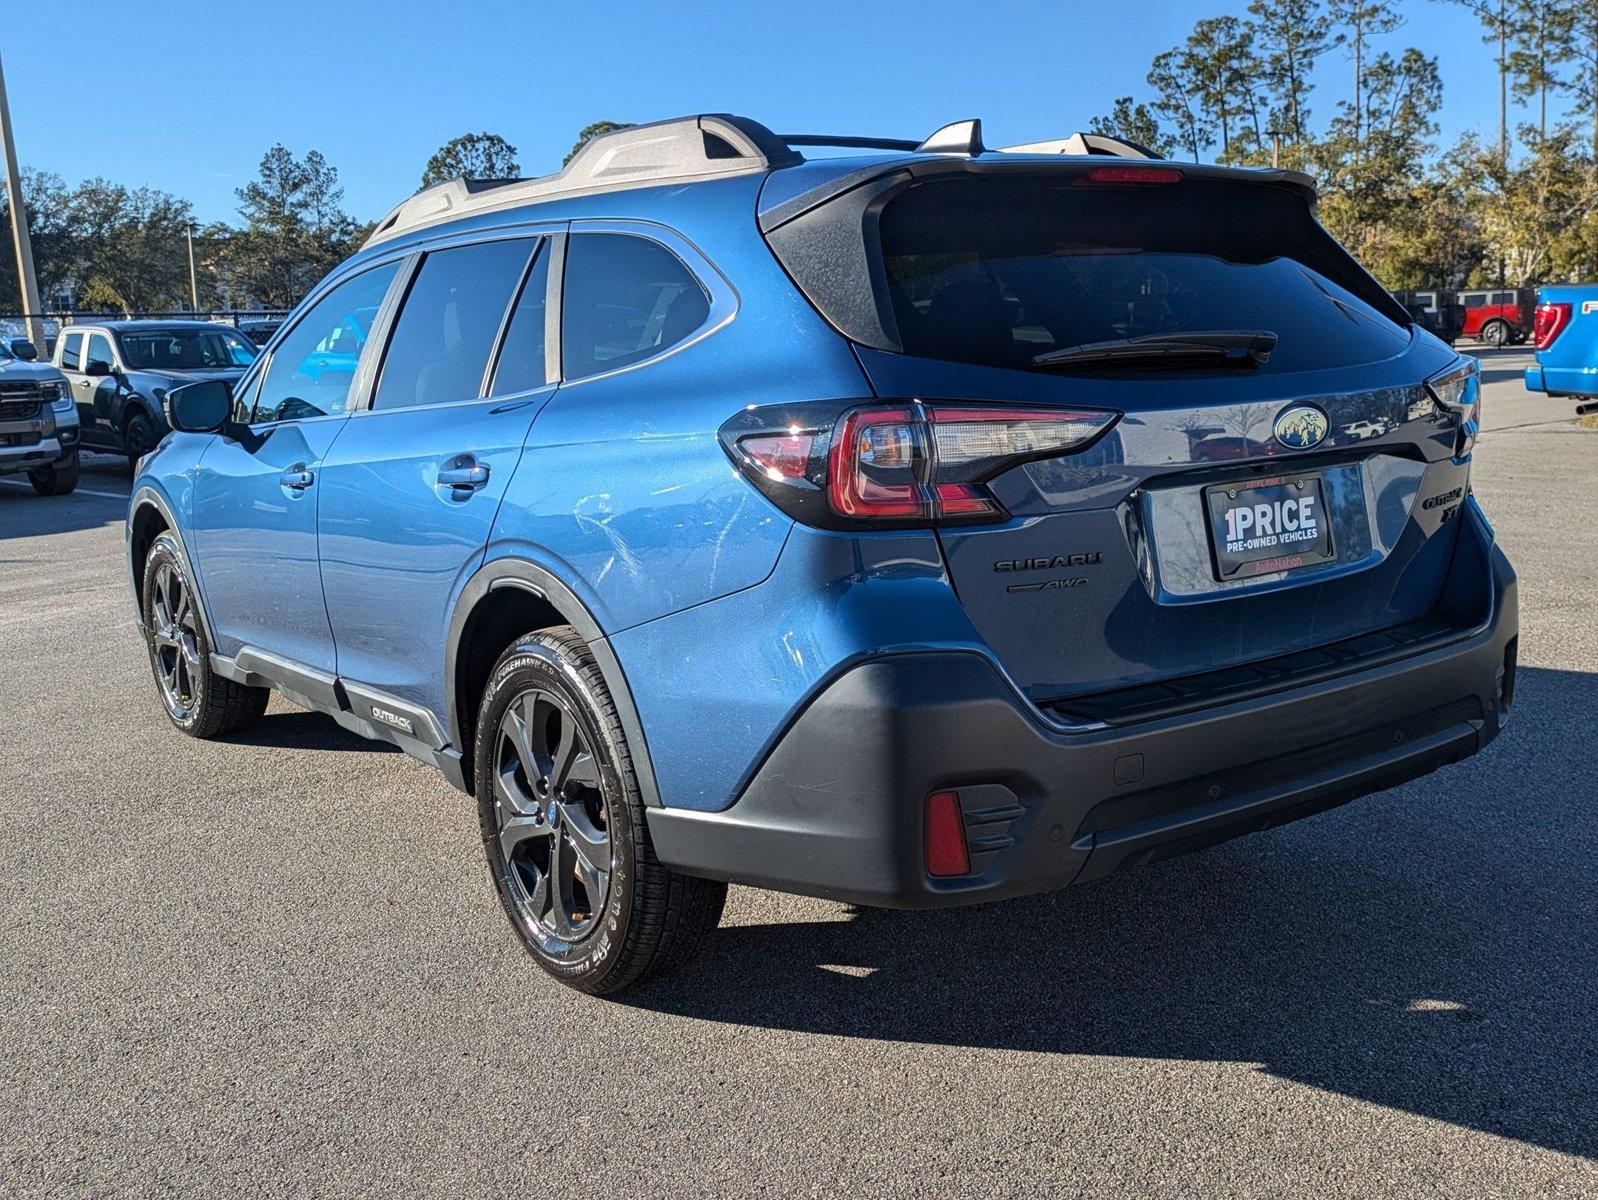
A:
x: 710, y: 146
x: 1085, y: 143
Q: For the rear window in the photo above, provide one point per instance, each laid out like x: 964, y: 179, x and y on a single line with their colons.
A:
x: 996, y: 271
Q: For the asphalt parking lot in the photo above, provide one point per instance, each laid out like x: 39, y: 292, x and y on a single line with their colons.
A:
x: 276, y: 965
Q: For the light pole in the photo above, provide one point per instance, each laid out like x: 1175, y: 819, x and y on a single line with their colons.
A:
x: 19, y: 227
x: 194, y: 288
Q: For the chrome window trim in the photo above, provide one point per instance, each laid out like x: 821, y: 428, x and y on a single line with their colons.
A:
x: 535, y: 227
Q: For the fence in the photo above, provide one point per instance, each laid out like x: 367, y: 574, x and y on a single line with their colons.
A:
x: 15, y: 324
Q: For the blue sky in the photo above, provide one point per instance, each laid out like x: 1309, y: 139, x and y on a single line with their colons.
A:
x: 186, y: 96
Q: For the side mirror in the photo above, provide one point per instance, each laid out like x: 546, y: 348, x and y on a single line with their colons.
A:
x: 24, y: 349
x: 202, y: 407
x: 98, y: 368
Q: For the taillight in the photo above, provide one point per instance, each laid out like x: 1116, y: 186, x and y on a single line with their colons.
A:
x: 1548, y: 324
x: 1458, y: 390
x: 909, y: 463
x: 877, y: 465
x: 780, y: 455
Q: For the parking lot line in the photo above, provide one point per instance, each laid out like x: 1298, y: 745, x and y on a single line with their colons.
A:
x: 82, y: 491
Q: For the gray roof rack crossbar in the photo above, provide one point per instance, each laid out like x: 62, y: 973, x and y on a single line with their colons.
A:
x: 850, y: 141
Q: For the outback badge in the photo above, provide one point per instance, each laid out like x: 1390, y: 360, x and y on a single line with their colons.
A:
x: 1301, y: 426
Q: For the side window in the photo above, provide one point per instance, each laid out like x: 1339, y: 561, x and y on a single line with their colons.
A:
x: 1503, y: 297
x: 1475, y: 300
x: 99, y: 350
x: 624, y: 299
x: 448, y: 324
x: 521, y: 357
x: 313, y: 368
x: 72, y: 351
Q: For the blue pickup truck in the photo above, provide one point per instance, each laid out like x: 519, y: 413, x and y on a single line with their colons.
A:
x: 1565, y: 334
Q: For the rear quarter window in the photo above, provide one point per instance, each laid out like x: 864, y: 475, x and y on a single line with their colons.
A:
x: 625, y: 299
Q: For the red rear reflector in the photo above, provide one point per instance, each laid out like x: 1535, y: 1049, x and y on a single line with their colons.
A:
x: 1549, y: 323
x: 1121, y: 174
x: 946, y: 852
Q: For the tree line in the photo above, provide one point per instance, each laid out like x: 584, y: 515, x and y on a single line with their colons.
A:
x: 106, y: 247
x: 1518, y: 206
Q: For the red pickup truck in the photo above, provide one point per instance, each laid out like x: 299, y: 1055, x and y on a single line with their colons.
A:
x: 1498, y: 316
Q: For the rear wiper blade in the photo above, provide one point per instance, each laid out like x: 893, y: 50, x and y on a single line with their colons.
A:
x: 1228, y: 347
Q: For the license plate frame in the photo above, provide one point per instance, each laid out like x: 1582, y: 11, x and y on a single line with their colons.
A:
x: 1238, y: 550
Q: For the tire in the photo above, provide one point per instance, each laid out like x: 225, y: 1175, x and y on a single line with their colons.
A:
x: 139, y: 437
x: 58, y: 479
x: 198, y: 701
x: 547, y: 830
x: 1495, y: 333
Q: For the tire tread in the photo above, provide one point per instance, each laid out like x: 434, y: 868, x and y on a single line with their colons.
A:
x: 672, y: 914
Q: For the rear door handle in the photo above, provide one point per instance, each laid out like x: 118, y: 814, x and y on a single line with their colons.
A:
x: 464, y: 472
x: 298, y: 477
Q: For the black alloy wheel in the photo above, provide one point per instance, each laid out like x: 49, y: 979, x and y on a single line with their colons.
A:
x: 565, y: 828
x: 553, y: 820
x: 175, y: 642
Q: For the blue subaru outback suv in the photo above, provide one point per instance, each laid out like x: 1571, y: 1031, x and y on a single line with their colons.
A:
x: 918, y: 527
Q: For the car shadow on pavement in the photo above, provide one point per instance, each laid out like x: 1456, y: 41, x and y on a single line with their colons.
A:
x: 26, y: 514
x: 300, y: 729
x: 1510, y: 362
x: 1431, y: 949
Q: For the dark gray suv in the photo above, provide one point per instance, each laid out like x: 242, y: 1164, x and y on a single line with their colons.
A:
x: 38, y: 423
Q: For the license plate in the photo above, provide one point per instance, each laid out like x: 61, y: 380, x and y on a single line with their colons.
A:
x: 1271, y: 525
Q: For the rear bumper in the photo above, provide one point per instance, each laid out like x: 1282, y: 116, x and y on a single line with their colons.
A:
x: 836, y: 808
x: 1562, y: 381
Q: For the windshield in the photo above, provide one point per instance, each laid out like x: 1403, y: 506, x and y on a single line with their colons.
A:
x: 185, y: 349
x: 1000, y: 271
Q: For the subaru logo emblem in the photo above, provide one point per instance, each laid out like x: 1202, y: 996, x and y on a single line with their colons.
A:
x: 1301, y: 426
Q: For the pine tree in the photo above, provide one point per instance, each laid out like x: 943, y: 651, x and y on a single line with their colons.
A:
x: 1288, y: 36
x: 1364, y: 20
x: 1498, y: 19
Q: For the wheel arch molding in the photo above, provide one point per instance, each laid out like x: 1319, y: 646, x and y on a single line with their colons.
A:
x: 150, y: 514
x: 509, y: 598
